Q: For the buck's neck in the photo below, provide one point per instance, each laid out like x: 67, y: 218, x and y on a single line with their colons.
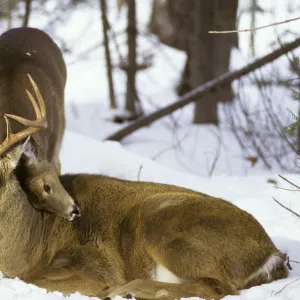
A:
x: 23, y: 230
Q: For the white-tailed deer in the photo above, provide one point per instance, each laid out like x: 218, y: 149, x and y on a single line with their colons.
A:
x: 127, y: 233
x: 26, y: 51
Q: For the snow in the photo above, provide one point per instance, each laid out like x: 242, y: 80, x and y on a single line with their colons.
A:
x: 201, y: 150
x: 252, y: 193
x: 171, y: 150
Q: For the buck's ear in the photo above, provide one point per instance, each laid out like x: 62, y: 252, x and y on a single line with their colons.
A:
x: 15, y: 154
x: 30, y: 152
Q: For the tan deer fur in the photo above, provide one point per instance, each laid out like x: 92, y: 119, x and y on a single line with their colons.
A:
x: 26, y: 51
x: 126, y: 232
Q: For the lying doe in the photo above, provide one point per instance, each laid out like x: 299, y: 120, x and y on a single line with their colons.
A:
x: 26, y: 51
x: 127, y: 233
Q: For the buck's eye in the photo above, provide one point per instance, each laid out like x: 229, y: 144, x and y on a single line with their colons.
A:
x: 47, y: 188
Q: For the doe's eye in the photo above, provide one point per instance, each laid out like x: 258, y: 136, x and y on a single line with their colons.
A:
x: 47, y: 188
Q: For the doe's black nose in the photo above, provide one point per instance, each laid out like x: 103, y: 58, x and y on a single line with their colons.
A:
x: 76, y: 211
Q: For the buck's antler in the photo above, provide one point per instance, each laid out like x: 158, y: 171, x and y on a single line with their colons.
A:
x: 34, y: 126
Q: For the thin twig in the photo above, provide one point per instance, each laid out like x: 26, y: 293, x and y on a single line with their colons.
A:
x: 283, y: 135
x: 253, y: 137
x: 217, y: 156
x: 139, y: 173
x: 286, y: 208
x: 271, y: 116
x: 257, y: 28
x: 294, y: 261
x: 287, y: 285
x: 173, y: 146
x: 280, y: 188
x: 293, y: 184
x: 256, y: 140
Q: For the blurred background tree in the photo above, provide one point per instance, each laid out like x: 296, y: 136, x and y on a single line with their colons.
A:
x: 129, y: 51
x: 184, y: 25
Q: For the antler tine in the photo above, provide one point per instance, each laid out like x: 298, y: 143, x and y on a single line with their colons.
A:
x: 39, y: 97
x: 39, y: 109
x: 13, y: 138
x: 34, y: 126
x: 8, y: 127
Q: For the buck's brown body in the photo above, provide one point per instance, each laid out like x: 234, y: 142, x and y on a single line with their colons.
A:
x: 31, y: 51
x: 126, y: 230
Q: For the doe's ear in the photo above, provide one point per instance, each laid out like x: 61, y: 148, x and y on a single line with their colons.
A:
x: 30, y: 152
x: 15, y: 154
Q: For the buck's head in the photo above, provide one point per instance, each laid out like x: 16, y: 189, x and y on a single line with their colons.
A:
x: 37, y: 177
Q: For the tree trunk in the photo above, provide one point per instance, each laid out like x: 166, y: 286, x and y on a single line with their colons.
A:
x: 212, y: 51
x: 27, y: 13
x: 184, y: 24
x: 105, y: 26
x: 200, y: 56
x: 170, y: 22
x: 131, y: 94
x: 9, y: 15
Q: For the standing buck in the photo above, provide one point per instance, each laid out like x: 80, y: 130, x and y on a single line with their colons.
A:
x: 128, y: 232
x: 26, y: 51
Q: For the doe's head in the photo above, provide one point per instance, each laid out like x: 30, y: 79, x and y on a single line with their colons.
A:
x: 40, y: 180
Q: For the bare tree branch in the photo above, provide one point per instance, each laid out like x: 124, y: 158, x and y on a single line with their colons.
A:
x: 286, y: 286
x: 288, y: 209
x: 203, y: 89
x: 257, y: 28
x: 293, y: 184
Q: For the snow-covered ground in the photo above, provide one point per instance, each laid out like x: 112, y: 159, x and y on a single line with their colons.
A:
x: 202, y: 158
x: 252, y: 193
x: 201, y: 150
